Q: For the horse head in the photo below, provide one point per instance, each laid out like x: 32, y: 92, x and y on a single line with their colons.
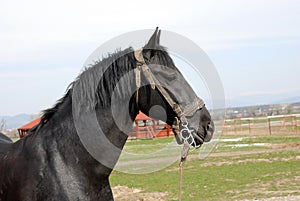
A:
x: 167, y: 88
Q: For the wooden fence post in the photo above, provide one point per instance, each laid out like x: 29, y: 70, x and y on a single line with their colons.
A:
x: 269, y: 121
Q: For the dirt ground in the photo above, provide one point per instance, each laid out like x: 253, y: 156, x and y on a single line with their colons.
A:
x: 286, y: 198
x: 123, y: 193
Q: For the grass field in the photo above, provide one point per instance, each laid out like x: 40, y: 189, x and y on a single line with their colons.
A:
x: 240, y: 167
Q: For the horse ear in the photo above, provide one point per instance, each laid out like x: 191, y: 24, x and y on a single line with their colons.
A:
x: 158, y: 37
x: 153, y: 41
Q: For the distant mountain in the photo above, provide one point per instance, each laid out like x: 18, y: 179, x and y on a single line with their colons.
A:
x: 13, y: 122
x: 289, y: 100
x: 268, y: 99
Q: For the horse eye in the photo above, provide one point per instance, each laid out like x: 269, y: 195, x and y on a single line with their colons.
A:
x: 171, y: 77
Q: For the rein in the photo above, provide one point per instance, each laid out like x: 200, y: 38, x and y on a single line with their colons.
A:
x: 181, y: 124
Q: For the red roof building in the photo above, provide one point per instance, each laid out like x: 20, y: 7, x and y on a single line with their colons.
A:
x: 24, y: 129
x: 145, y: 127
x: 141, y: 116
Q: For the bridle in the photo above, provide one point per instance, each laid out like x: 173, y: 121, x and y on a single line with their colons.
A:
x: 180, y: 123
x: 186, y: 134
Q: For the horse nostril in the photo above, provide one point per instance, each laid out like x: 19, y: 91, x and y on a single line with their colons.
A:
x: 208, y: 126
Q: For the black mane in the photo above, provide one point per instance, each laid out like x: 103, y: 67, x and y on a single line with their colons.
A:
x: 97, y: 82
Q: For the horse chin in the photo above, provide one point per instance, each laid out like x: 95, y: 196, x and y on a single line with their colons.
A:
x: 199, y: 140
x: 208, y: 136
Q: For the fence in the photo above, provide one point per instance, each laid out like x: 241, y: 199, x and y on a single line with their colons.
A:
x: 262, y: 125
x: 150, y: 129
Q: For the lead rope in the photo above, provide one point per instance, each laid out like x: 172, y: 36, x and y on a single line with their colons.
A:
x: 184, y: 154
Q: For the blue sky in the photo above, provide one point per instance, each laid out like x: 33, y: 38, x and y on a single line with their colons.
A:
x: 254, y: 45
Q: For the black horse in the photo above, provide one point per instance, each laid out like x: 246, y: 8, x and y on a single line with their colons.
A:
x: 52, y: 162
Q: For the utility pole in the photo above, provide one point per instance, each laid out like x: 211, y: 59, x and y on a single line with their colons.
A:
x: 3, y: 125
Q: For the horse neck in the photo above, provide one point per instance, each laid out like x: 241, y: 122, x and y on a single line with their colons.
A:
x: 58, y: 143
x: 64, y: 131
